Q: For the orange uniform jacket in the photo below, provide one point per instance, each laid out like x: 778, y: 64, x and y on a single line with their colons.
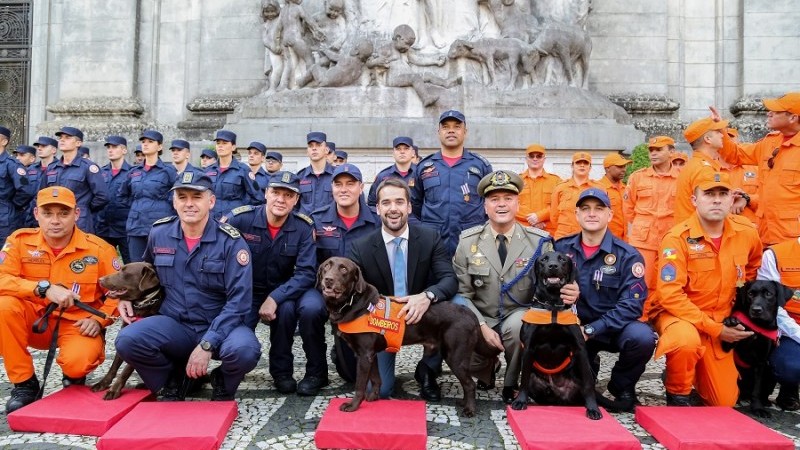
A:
x: 562, y: 207
x: 698, y: 165
x: 649, y: 205
x: 536, y: 195
x: 787, y: 259
x: 618, y: 223
x: 778, y: 217
x: 26, y: 259
x: 746, y: 178
x: 697, y: 283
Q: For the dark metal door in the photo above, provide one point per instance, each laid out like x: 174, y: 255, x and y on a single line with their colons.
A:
x: 15, y: 67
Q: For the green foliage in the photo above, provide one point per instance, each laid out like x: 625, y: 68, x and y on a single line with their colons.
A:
x: 640, y: 159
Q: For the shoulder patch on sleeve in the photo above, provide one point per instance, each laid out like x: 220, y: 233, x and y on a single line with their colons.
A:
x: 304, y: 217
x: 482, y: 158
x: 242, y: 209
x: 472, y: 231
x: 230, y: 230
x: 94, y: 169
x: 163, y: 220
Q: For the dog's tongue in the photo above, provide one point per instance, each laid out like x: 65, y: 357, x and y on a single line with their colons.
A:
x: 114, y: 293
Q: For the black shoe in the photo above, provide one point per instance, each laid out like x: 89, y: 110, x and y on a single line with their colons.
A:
x: 171, y: 392
x: 428, y: 387
x: 508, y: 394
x: 679, y: 400
x: 787, y: 399
x: 486, y: 386
x: 68, y: 381
x: 310, y: 385
x: 23, y: 394
x: 218, y: 392
x: 627, y: 401
x: 285, y: 384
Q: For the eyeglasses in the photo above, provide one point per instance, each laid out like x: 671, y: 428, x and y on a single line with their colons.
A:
x: 535, y: 156
x: 771, y: 160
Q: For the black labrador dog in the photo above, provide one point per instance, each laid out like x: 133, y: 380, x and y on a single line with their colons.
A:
x: 451, y: 327
x: 137, y: 283
x: 756, y: 308
x: 555, y: 362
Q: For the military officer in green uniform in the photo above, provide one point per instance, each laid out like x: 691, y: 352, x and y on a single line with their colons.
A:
x: 494, y: 265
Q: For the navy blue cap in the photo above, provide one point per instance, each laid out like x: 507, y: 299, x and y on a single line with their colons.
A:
x: 83, y: 150
x: 452, y: 114
x: 116, y: 140
x: 284, y: 179
x: 331, y: 146
x: 403, y: 140
x: 275, y: 155
x: 416, y: 149
x: 138, y: 149
x: 25, y: 149
x: 349, y: 169
x: 5, y: 132
x: 196, y: 181
x: 599, y: 194
x: 152, y: 135
x: 70, y: 131
x: 341, y: 154
x: 208, y: 153
x: 225, y: 135
x: 258, y: 146
x: 44, y: 140
x: 316, y: 136
x: 179, y: 144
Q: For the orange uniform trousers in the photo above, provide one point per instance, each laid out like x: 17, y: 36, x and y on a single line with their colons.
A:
x: 77, y: 356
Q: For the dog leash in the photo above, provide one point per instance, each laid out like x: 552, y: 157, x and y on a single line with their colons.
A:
x: 40, y: 326
x: 505, y: 289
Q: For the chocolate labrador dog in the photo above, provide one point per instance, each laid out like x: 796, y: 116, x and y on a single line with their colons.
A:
x: 137, y: 283
x: 445, y: 325
x: 555, y: 363
x: 756, y: 309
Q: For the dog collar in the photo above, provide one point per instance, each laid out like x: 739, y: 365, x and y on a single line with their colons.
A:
x: 538, y: 316
x: 748, y: 322
x: 150, y: 299
x: 554, y: 370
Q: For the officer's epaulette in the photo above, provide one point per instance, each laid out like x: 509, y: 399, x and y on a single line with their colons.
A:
x: 230, y: 230
x: 242, y: 209
x: 537, y: 231
x: 481, y: 157
x: 423, y: 161
x: 163, y: 220
x: 472, y: 231
x: 303, y: 217
x: 742, y: 220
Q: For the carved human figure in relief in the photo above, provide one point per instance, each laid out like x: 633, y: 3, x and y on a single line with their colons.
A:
x: 331, y: 22
x: 346, y: 70
x: 274, y: 67
x: 294, y: 23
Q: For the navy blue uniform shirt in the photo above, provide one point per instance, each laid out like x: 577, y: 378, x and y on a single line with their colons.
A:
x: 333, y: 237
x: 316, y: 191
x: 233, y: 187
x: 148, y: 194
x: 389, y: 172
x: 112, y: 220
x: 83, y: 178
x: 16, y: 193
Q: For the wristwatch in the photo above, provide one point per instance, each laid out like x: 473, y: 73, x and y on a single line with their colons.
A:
x: 588, y: 330
x: 431, y: 296
x: 205, y: 345
x: 41, y: 288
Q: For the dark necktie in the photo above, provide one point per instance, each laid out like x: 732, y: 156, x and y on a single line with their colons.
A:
x: 502, y: 250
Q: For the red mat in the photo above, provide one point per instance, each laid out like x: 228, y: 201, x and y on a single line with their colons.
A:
x: 378, y: 425
x: 567, y: 427
x: 75, y: 410
x: 715, y: 428
x: 171, y: 426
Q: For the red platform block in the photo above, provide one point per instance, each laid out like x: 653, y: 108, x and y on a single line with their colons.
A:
x: 171, y: 426
x: 567, y: 427
x: 372, y: 426
x: 75, y: 410
x: 717, y: 428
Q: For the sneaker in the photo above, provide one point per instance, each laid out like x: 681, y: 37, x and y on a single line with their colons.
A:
x: 218, y: 392
x: 285, y: 384
x: 310, y: 385
x: 69, y: 381
x: 23, y: 394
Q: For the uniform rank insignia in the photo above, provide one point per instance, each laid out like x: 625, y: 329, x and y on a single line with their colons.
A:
x: 187, y: 177
x: 668, y: 272
x: 230, y: 230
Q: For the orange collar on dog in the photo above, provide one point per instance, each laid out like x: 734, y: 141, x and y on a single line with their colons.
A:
x: 380, y: 319
x: 554, y: 370
x: 546, y: 317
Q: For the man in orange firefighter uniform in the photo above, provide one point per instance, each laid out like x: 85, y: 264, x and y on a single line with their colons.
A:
x: 55, y: 263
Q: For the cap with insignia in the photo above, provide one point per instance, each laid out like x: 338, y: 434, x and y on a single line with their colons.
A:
x: 70, y: 131
x: 286, y: 180
x: 452, y: 114
x: 500, y: 180
x: 193, y: 180
x: 316, y: 136
x: 595, y: 193
x: 711, y: 181
x: 348, y: 169
x: 56, y: 195
x: 660, y: 141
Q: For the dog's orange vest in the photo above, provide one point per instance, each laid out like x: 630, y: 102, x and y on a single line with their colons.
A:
x: 787, y: 258
x: 545, y: 317
x: 380, y: 319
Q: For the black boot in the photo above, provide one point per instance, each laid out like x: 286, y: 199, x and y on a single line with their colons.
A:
x: 428, y: 387
x: 218, y: 392
x: 679, y: 400
x: 23, y: 394
x: 787, y: 399
x: 69, y: 381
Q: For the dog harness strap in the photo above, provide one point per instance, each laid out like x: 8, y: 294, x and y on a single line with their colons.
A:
x: 380, y: 318
x: 505, y: 289
x: 564, y: 364
x: 537, y: 316
x: 51, y: 352
x: 747, y: 322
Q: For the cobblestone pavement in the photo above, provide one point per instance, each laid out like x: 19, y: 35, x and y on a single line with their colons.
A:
x: 268, y: 420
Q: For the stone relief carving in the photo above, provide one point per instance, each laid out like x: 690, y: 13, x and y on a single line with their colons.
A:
x: 425, y: 44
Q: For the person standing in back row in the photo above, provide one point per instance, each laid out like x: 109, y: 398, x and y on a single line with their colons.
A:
x: 232, y: 183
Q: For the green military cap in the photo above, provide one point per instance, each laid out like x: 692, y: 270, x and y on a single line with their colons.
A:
x: 500, y: 180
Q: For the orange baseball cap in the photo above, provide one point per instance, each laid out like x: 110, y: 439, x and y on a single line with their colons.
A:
x: 700, y: 127
x: 56, y: 195
x: 733, y: 133
x: 789, y: 102
x: 679, y: 155
x: 615, y: 159
x: 582, y: 156
x: 660, y: 141
x: 709, y: 181
x: 535, y: 148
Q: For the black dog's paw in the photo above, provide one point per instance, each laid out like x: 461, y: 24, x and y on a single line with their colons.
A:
x: 761, y: 412
x: 594, y: 414
x: 519, y: 403
x: 731, y: 322
x: 101, y: 385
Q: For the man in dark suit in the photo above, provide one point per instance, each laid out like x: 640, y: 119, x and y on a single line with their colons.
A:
x: 426, y: 277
